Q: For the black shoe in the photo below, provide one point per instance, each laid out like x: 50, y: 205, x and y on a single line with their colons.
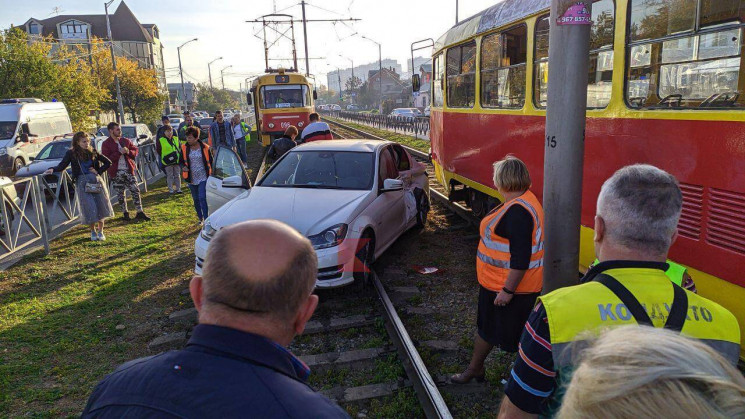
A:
x: 141, y: 216
x: 126, y: 216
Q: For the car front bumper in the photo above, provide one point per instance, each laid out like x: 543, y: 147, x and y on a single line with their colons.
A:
x: 335, y: 264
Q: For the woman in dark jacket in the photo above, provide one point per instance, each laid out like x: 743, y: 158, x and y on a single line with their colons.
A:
x: 196, y: 161
x: 87, y: 166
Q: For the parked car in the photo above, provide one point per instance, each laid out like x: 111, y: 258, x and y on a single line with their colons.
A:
x: 176, y: 121
x: 404, y: 113
x: 353, y: 108
x: 50, y: 156
x: 204, y: 124
x: 26, y: 126
x: 334, y: 107
x: 139, y: 134
x: 343, y: 195
x: 6, y: 187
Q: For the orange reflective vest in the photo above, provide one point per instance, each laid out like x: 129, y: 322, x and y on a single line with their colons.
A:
x: 205, y: 152
x: 493, y: 258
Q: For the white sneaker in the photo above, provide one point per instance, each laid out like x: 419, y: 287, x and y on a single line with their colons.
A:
x: 101, y: 237
x: 94, y: 236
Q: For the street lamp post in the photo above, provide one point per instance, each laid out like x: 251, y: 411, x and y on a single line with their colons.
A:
x: 181, y: 71
x: 209, y: 70
x: 113, y: 64
x: 351, y: 85
x: 380, y: 75
x: 222, y: 77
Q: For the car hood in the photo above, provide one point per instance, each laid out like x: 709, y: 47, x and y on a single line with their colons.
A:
x: 310, y: 211
x: 37, y: 167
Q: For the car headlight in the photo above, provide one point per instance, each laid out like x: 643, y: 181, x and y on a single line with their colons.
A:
x: 332, y: 236
x: 3, y: 151
x: 207, y: 231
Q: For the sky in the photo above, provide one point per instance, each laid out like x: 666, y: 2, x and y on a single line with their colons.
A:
x: 222, y: 30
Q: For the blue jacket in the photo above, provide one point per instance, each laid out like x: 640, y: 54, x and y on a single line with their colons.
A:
x: 215, y: 134
x: 221, y: 373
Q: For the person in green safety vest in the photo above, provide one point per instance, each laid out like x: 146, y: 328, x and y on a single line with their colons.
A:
x: 168, y: 147
x: 677, y: 273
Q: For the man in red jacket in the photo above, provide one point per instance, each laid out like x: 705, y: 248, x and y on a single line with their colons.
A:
x: 122, y: 154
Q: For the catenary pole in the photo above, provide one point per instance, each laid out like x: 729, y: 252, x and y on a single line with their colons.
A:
x: 305, y: 38
x: 565, y: 140
x: 181, y: 72
x: 113, y: 64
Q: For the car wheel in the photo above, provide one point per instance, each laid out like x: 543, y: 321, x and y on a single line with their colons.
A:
x: 364, y: 258
x: 17, y: 165
x: 422, y: 205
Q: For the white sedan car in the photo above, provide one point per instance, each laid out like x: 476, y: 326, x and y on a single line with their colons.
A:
x: 351, y: 198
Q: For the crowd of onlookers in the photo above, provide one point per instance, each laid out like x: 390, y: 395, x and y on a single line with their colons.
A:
x: 632, y: 339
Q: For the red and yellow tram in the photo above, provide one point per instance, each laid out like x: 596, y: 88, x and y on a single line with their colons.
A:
x: 664, y: 88
x: 281, y: 99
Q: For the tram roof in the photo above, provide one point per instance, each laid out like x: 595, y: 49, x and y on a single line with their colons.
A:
x: 499, y: 15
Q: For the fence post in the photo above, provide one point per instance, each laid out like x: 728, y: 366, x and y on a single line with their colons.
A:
x: 41, y: 216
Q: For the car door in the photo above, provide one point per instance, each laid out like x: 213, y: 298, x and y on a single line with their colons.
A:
x: 387, y: 209
x: 226, y: 165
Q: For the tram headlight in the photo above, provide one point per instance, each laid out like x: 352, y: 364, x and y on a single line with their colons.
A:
x: 300, y: 124
x: 270, y: 125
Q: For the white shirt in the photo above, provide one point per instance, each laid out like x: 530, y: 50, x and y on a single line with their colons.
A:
x: 238, y: 131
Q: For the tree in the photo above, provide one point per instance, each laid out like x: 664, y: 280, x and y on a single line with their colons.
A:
x: 141, y: 96
x: 326, y: 95
x: 38, y: 70
x: 213, y: 99
x: 353, y: 83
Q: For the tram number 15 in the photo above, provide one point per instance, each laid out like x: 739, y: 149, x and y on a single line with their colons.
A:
x: 551, y: 141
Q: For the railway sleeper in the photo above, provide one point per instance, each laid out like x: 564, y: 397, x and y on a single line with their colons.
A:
x: 338, y: 323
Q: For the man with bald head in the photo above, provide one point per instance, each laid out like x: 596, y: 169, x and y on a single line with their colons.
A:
x: 254, y: 297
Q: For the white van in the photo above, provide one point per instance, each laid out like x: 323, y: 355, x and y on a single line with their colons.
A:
x: 26, y: 126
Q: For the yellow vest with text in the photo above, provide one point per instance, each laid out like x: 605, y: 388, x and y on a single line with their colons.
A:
x: 591, y: 307
x: 493, y: 257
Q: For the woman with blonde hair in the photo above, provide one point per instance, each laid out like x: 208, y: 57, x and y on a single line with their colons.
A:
x: 635, y: 372
x: 91, y: 191
x: 509, y: 266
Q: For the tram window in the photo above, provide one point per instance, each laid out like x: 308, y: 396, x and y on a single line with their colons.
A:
x: 461, y: 74
x: 436, y: 88
x: 285, y: 96
x: 652, y: 19
x: 503, y: 58
x: 699, y: 68
x: 600, y: 71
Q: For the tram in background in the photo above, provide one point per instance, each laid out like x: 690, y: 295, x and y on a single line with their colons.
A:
x: 280, y: 99
x: 664, y: 88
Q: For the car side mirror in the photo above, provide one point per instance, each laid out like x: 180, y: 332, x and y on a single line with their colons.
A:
x: 416, y: 82
x: 249, y: 99
x: 391, y: 185
x: 31, y: 158
x: 315, y: 94
x: 142, y: 136
x: 233, y: 182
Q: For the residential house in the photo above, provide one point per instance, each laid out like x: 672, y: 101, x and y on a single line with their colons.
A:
x: 423, y: 98
x: 132, y: 39
x: 177, y: 95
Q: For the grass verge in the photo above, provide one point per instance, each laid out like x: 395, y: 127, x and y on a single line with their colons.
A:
x: 407, y: 140
x: 69, y: 318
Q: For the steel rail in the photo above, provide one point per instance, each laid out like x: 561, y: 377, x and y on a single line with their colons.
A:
x: 429, y: 396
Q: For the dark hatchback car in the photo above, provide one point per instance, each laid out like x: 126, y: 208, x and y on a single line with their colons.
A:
x: 49, y: 156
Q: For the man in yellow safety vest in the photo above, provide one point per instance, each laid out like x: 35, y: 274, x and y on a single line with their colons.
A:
x: 636, y: 222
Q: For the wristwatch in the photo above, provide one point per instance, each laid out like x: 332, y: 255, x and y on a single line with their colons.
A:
x: 508, y: 291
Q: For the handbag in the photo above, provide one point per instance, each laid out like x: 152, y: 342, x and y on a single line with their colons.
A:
x: 172, y: 157
x: 94, y: 187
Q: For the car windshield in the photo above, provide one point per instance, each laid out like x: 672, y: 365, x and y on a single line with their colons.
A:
x: 323, y: 170
x: 129, y: 132
x: 284, y: 96
x: 205, y: 121
x: 55, y: 150
x: 7, y: 129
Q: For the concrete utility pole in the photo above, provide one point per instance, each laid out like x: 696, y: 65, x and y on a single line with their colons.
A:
x: 565, y: 140
x: 181, y: 72
x: 305, y: 39
x: 380, y: 73
x: 209, y: 70
x: 456, y: 12
x: 351, y: 84
x: 222, y: 76
x: 113, y: 64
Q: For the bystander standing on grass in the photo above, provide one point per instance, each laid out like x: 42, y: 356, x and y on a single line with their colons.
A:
x: 196, y: 168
